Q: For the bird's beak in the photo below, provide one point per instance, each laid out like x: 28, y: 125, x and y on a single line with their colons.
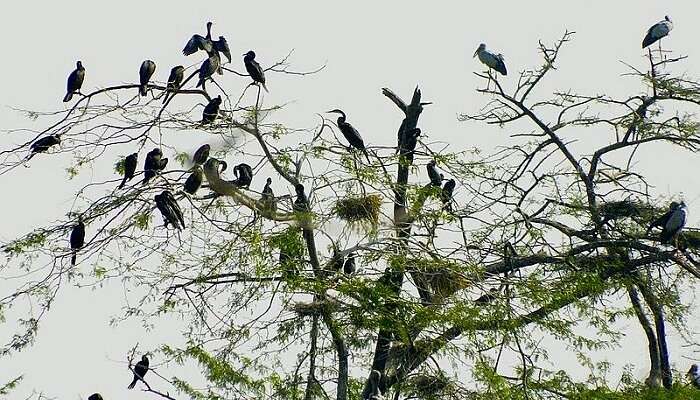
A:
x: 475, y: 53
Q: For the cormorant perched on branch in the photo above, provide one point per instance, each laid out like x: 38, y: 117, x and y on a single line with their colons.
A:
x: 268, y: 197
x: 221, y: 46
x: 140, y: 370
x: 351, y: 134
x: 148, y: 68
x: 491, y: 60
x: 197, y: 42
x: 433, y: 174
x: 130, y: 163
x: 200, y: 156
x: 662, y: 220
x: 301, y: 203
x: 211, y: 111
x: 657, y: 31
x: 77, y: 239
x: 75, y: 81
x: 446, y: 195
x: 674, y: 224
x: 244, y: 175
x: 210, y: 66
x: 194, y: 181
x: 349, y: 264
x: 42, y: 145
x: 177, y: 74
x: 694, y: 375
x: 168, y: 207
x: 153, y: 164
x: 254, y: 70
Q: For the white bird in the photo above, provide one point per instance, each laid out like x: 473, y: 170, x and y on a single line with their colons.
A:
x: 658, y: 31
x: 675, y: 223
x: 491, y: 60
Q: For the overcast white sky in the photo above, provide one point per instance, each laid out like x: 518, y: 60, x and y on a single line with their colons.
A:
x: 366, y: 44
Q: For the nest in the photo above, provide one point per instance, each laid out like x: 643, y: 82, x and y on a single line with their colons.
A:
x: 430, y: 386
x: 359, y: 209
x: 314, y: 307
x: 616, y: 210
x: 443, y: 280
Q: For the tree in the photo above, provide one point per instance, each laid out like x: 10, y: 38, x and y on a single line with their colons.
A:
x: 537, y: 239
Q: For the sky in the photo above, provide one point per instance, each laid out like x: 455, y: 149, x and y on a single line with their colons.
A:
x: 366, y: 45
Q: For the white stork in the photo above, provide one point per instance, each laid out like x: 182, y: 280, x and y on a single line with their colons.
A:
x: 675, y: 223
x: 491, y: 60
x: 658, y: 31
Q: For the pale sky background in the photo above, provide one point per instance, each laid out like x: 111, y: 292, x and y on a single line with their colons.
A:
x: 367, y: 45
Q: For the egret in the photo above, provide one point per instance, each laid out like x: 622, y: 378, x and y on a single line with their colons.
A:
x: 153, y: 164
x: 140, y: 370
x: 207, y: 69
x: 42, y: 145
x: 244, y: 175
x: 491, y: 60
x: 211, y: 111
x: 77, y: 239
x: 130, y: 163
x: 675, y: 223
x: 177, y: 74
x: 197, y: 42
x: 351, y: 134
x: 148, y: 68
x: 194, y: 181
x: 200, y: 156
x: 254, y: 69
x: 657, y: 31
x: 433, y: 174
x: 446, y: 195
x: 75, y: 81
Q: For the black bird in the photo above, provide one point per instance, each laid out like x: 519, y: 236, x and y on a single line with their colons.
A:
x: 200, y: 156
x: 153, y: 164
x: 433, y: 174
x: 42, y: 145
x: 168, y: 207
x: 351, y: 134
x: 197, y: 42
x: 268, y: 197
x: 194, y: 181
x: 221, y: 46
x: 75, y: 81
x: 657, y: 31
x: 694, y: 375
x: 675, y: 223
x: 177, y: 74
x: 140, y: 370
x: 254, y: 69
x: 372, y: 391
x: 349, y: 265
x: 211, y: 111
x: 301, y: 203
x: 130, y: 163
x: 446, y: 195
x: 95, y: 396
x: 208, y: 68
x: 244, y: 175
x: 77, y: 239
x: 148, y: 68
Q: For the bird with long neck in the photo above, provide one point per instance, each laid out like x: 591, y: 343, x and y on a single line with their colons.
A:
x: 657, y: 32
x: 350, y: 133
x: 177, y: 74
x: 140, y: 370
x: 197, y: 42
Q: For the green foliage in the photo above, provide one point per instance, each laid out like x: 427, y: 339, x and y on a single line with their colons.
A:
x: 31, y: 241
x: 7, y: 388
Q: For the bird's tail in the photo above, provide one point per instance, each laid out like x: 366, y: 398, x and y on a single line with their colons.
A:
x: 121, y: 185
x: 200, y: 83
x: 142, y: 89
x: 68, y: 97
x: 648, y: 40
x: 166, y: 96
x: 265, y: 87
x: 133, y: 383
x: 73, y: 258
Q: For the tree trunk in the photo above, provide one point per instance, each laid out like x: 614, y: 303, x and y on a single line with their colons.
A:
x: 654, y: 378
x: 657, y: 310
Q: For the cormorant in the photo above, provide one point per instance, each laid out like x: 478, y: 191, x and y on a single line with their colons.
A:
x: 148, y: 68
x: 662, y: 220
x: 349, y: 265
x: 244, y: 175
x: 674, y: 224
x: 221, y: 46
x: 694, y: 376
x: 268, y: 197
x: 491, y: 60
x: 446, y: 195
x: 211, y: 111
x: 487, y: 297
x: 194, y: 181
x: 75, y: 81
x: 168, y: 207
x: 153, y: 164
x: 254, y: 69
x: 140, y: 370
x: 42, y: 145
x: 177, y: 74
x: 351, y: 134
x: 208, y: 68
x: 130, y: 163
x: 301, y: 203
x: 77, y: 239
x: 433, y: 174
x: 200, y: 156
x: 95, y: 396
x: 197, y: 42
x: 657, y: 31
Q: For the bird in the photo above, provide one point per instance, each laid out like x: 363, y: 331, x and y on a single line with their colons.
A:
x: 208, y: 68
x: 491, y: 60
x: 211, y: 111
x: 130, y: 163
x: 433, y: 174
x: 140, y: 370
x: 95, y: 396
x: 197, y: 42
x: 268, y: 196
x: 177, y: 74
x: 194, y: 181
x: 694, y: 375
x: 254, y: 69
x: 148, y: 68
x: 75, y: 81
x: 221, y: 46
x: 662, y: 220
x: 349, y: 264
x: 675, y: 223
x: 169, y: 209
x: 200, y: 156
x: 657, y: 31
x: 446, y: 195
x: 244, y: 175
x: 44, y: 144
x: 372, y: 391
x: 77, y: 239
x: 153, y: 164
x: 351, y: 134
x: 301, y: 203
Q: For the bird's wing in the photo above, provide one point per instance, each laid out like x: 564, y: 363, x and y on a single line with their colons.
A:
x: 195, y: 43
